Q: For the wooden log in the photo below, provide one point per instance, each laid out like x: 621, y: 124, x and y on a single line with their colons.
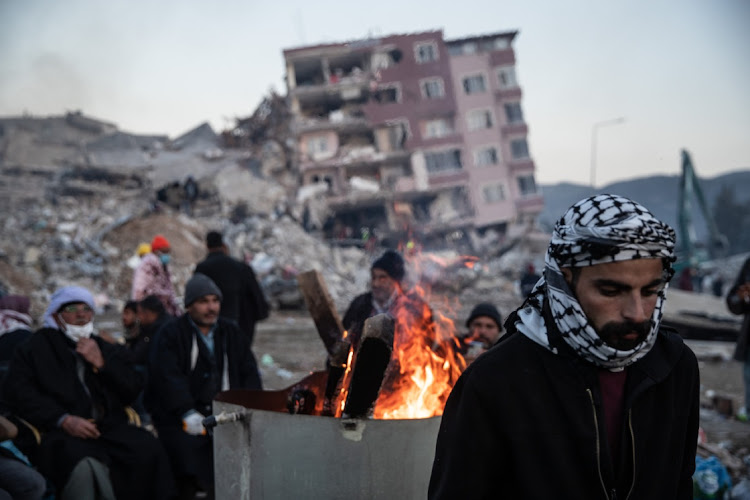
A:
x: 323, y: 312
x: 371, y: 362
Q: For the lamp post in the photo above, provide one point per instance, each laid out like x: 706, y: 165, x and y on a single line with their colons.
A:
x: 594, y: 129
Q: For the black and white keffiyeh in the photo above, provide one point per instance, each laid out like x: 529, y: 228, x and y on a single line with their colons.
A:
x: 596, y: 230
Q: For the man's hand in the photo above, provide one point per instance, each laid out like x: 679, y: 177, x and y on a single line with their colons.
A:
x: 743, y: 292
x: 193, y: 424
x: 89, y: 350
x: 80, y: 427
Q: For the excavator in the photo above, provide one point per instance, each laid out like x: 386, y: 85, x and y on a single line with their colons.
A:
x: 692, y: 252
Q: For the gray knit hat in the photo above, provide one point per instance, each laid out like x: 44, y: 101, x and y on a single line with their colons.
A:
x: 198, y: 286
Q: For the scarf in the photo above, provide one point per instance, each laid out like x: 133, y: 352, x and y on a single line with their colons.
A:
x: 11, y: 320
x: 596, y: 230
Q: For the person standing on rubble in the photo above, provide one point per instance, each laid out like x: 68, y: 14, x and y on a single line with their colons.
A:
x: 152, y: 276
x: 585, y: 396
x: 243, y: 300
x: 738, y: 302
x: 196, y: 356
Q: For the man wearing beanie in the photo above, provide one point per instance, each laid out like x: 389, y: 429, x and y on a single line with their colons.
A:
x: 386, y: 295
x: 152, y: 276
x: 485, y: 327
x: 586, y: 389
x: 243, y: 299
x: 196, y: 356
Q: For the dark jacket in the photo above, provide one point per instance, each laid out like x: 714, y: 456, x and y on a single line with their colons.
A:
x: 523, y: 422
x: 243, y: 299
x: 42, y: 383
x: 737, y: 306
x: 139, y: 347
x: 175, y: 387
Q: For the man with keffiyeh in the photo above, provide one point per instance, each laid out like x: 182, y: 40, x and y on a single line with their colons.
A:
x: 586, y: 396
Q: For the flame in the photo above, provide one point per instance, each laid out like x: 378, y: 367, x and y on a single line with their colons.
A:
x: 425, y: 363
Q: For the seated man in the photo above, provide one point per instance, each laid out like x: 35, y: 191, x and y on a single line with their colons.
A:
x: 72, y: 387
x: 196, y: 356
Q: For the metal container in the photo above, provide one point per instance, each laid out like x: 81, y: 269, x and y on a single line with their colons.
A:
x: 269, y: 454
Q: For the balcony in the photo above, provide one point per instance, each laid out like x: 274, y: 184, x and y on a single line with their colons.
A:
x: 354, y: 158
x: 335, y: 121
x: 530, y: 204
x: 518, y: 128
x: 509, y: 94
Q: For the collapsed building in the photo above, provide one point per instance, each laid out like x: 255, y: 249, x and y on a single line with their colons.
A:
x: 414, y: 135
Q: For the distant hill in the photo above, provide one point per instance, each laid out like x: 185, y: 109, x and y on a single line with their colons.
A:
x: 658, y: 193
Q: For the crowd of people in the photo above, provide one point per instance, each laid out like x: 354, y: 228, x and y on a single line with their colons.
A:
x: 581, y: 381
x: 86, y: 416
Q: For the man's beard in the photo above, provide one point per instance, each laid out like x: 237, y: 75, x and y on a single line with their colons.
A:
x: 613, y: 334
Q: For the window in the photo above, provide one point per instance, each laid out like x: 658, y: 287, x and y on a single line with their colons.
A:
x: 479, y: 119
x: 437, y: 128
x: 501, y: 43
x: 470, y: 48
x: 506, y: 76
x: 519, y: 149
x: 474, y: 84
x: 527, y: 185
x: 317, y: 145
x: 443, y: 161
x: 485, y: 156
x: 513, y: 112
x: 385, y: 95
x: 492, y: 193
x: 433, y: 88
x: 425, y: 52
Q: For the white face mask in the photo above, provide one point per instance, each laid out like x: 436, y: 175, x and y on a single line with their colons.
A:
x: 78, y: 332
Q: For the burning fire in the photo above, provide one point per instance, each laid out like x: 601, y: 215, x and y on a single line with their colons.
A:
x: 425, y: 362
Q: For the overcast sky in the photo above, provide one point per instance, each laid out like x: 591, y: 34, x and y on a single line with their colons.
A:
x: 678, y: 71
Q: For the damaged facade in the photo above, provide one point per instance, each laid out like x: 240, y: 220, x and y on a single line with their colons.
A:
x: 412, y: 134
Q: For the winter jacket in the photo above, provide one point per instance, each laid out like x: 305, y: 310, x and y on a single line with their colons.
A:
x: 525, y: 423
x: 43, y: 384
x: 177, y: 385
x: 151, y: 277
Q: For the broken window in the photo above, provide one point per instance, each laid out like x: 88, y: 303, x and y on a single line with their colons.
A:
x: 443, y: 161
x: 513, y: 112
x: 433, y: 88
x: 485, y: 156
x: 437, y: 128
x: 527, y: 185
x: 385, y: 95
x: 519, y: 149
x: 506, y: 77
x: 479, y: 119
x: 493, y: 193
x: 425, y: 52
x: 474, y: 84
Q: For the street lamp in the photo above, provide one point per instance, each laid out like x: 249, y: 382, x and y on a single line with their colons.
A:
x: 594, y: 129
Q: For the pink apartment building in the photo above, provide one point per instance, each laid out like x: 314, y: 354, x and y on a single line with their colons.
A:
x: 413, y: 134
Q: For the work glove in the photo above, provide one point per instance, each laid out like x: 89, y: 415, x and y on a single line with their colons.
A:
x: 192, y: 423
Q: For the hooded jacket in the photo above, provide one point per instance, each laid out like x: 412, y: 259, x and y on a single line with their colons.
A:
x: 535, y: 428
